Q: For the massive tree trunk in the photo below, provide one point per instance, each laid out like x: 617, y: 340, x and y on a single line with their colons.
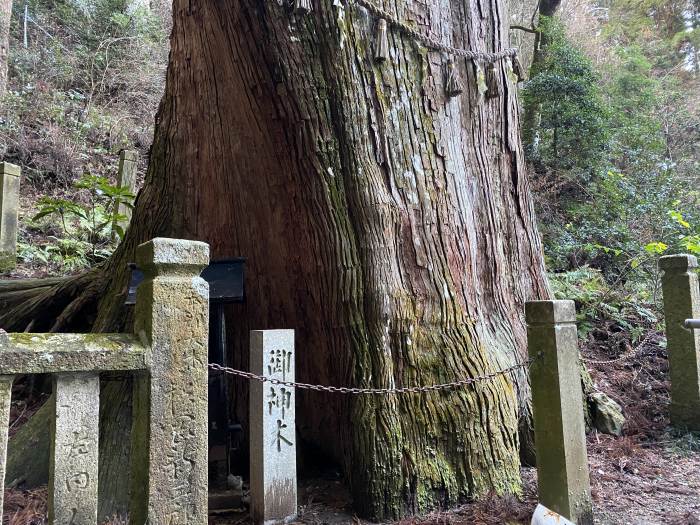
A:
x: 390, y: 226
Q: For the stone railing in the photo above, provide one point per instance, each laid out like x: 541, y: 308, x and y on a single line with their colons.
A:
x: 167, y: 355
x: 681, y: 303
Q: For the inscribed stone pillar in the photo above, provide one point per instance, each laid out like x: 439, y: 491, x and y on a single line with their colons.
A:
x: 273, y: 466
x: 681, y: 302
x: 9, y: 208
x: 557, y: 404
x: 73, y: 466
x: 169, y: 434
x: 5, y: 398
x: 126, y: 177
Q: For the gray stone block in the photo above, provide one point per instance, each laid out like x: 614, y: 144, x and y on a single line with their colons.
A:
x: 557, y: 403
x: 126, y: 176
x: 30, y: 353
x: 5, y: 399
x: 682, y: 301
x: 547, y: 312
x: 74, y: 457
x: 9, y: 209
x: 169, y: 432
x: 273, y: 468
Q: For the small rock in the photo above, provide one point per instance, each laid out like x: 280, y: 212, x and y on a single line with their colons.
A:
x: 234, y: 482
x: 607, y: 414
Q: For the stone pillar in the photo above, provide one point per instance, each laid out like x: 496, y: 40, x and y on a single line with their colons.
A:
x: 126, y: 177
x: 5, y: 398
x: 73, y: 463
x: 681, y: 302
x: 169, y: 434
x: 273, y: 461
x: 557, y: 404
x: 9, y: 208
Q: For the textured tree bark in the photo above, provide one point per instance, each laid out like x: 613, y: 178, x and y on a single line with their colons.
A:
x: 5, y: 15
x: 392, y: 228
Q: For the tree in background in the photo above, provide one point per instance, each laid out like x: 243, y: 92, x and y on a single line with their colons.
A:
x: 391, y: 226
x: 570, y: 137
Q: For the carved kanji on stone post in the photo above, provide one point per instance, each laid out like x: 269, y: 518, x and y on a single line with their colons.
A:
x: 169, y: 435
x: 273, y: 467
x: 74, y: 449
x: 168, y: 356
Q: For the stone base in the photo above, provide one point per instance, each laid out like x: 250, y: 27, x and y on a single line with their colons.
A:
x: 225, y: 501
x: 8, y: 262
x: 685, y: 417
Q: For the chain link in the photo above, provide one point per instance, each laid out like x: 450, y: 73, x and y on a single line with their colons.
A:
x: 371, y: 391
x: 432, y: 43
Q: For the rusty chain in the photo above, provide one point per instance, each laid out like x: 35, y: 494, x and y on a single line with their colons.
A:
x: 432, y: 43
x: 372, y: 391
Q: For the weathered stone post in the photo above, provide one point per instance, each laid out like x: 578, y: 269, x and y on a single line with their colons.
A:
x: 557, y: 403
x: 9, y: 208
x: 681, y: 302
x: 5, y: 399
x: 126, y: 177
x: 169, y: 434
x: 73, y: 463
x: 273, y: 462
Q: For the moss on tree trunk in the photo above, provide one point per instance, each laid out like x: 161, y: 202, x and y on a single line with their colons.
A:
x: 391, y: 227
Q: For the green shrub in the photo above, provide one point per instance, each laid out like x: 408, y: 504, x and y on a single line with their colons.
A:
x: 89, y: 225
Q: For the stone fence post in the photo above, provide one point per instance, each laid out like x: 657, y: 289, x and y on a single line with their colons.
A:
x: 5, y: 399
x: 681, y: 302
x: 126, y: 177
x: 273, y: 461
x: 9, y: 209
x: 557, y: 403
x: 169, y: 435
x: 73, y: 461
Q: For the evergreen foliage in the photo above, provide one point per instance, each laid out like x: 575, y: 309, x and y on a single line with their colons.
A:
x: 612, y: 151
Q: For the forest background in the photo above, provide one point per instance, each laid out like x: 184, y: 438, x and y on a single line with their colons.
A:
x: 610, y: 126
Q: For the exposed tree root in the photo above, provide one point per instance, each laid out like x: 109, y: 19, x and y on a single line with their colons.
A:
x: 67, y: 305
x: 51, y: 305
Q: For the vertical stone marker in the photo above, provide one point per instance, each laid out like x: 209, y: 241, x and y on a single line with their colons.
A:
x: 5, y: 398
x: 74, y: 449
x: 9, y: 208
x: 681, y: 302
x: 557, y: 404
x: 126, y: 176
x: 169, y: 433
x: 273, y: 461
